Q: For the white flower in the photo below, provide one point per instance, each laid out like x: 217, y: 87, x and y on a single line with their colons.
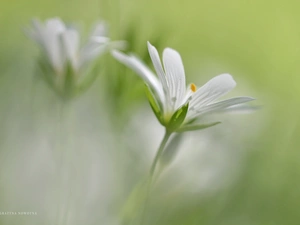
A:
x: 61, y: 44
x: 65, y: 64
x: 171, y: 93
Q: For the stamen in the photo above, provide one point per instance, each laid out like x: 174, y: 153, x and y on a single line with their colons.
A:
x: 193, y: 87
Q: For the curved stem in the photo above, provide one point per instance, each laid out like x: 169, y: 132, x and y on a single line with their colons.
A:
x: 152, y: 171
x: 159, y: 152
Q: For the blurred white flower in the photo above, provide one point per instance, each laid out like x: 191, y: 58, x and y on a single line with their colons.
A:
x: 61, y: 44
x: 64, y: 60
x: 173, y: 102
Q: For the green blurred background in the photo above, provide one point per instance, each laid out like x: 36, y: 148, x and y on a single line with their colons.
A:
x: 258, y: 42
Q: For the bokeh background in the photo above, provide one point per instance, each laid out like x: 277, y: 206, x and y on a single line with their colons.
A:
x: 244, y: 171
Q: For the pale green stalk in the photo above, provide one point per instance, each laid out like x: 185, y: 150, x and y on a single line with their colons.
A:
x: 159, y: 152
x: 69, y: 162
x: 152, y: 170
x: 63, y: 160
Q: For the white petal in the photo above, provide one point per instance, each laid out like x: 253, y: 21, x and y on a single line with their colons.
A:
x: 48, y: 36
x: 241, y: 108
x: 218, y: 106
x: 142, y: 70
x: 99, y: 39
x: 53, y: 42
x: 100, y: 30
x: 36, y: 31
x: 90, y: 51
x: 212, y: 90
x: 120, y: 45
x: 175, y: 76
x: 70, y: 40
x: 158, y: 67
x: 98, y: 44
x: 95, y: 46
x: 55, y: 26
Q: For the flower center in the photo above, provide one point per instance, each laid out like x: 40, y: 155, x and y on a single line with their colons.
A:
x: 193, y: 87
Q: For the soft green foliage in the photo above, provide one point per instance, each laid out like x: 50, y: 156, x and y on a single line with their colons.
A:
x: 256, y: 41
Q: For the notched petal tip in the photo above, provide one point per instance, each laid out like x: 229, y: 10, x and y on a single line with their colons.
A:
x: 171, y: 52
x: 172, y: 60
x: 227, y: 78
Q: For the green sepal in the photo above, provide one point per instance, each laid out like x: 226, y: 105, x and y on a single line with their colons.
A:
x: 154, y: 105
x: 177, y: 118
x: 46, y: 72
x: 196, y: 127
x: 69, y: 84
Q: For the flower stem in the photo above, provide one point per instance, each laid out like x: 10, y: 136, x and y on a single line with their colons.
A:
x: 152, y: 171
x: 63, y: 161
x: 159, y: 152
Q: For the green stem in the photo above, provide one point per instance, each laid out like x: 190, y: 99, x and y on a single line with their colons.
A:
x: 159, y: 152
x: 152, y: 170
x: 62, y: 160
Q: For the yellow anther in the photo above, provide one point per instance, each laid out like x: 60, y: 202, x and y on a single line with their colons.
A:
x: 193, y: 87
